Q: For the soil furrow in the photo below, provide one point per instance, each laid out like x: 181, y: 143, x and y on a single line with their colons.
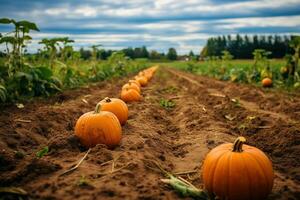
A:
x: 204, y: 116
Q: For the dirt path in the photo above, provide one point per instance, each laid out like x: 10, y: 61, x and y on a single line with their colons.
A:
x: 207, y: 113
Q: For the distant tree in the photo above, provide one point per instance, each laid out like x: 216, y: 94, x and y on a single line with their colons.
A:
x: 203, y: 52
x: 144, y: 52
x: 172, y: 54
x: 85, y: 54
x: 129, y: 52
x: 242, y: 47
x: 191, y: 54
x: 154, y: 55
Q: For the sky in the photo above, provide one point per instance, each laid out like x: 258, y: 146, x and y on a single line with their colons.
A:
x: 157, y: 24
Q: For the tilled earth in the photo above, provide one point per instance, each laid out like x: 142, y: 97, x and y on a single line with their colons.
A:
x: 207, y: 113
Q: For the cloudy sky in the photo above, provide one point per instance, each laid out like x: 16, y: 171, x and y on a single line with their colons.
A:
x: 158, y: 24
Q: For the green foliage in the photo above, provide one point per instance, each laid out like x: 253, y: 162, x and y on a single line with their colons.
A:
x: 240, y: 71
x: 170, y: 90
x: 167, y: 104
x: 241, y: 47
x: 3, y: 93
x: 42, y: 152
x: 172, y: 54
x: 55, y: 67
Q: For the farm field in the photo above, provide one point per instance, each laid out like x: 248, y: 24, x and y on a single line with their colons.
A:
x: 204, y: 113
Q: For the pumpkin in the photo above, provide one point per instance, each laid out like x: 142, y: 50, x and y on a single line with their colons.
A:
x: 142, y: 80
x: 131, y: 86
x: 136, y: 82
x: 237, y: 172
x: 266, y: 82
x: 145, y: 74
x: 129, y: 95
x: 98, y: 127
x: 117, y: 107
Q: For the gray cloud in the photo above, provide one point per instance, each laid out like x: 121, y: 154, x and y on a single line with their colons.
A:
x: 156, y: 24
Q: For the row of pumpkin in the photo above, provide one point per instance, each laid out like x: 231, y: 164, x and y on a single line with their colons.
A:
x: 233, y: 171
x: 103, y: 125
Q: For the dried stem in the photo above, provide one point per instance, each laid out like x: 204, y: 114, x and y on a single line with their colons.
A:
x: 77, y: 165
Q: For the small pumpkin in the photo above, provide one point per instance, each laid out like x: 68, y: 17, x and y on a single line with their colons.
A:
x: 142, y: 80
x: 145, y: 74
x: 131, y: 86
x: 266, y: 82
x: 129, y: 95
x: 136, y: 82
x: 117, y: 107
x: 98, y: 127
x: 237, y: 171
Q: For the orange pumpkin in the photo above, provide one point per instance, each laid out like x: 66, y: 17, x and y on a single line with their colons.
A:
x: 98, y: 127
x: 129, y: 95
x: 136, y: 82
x: 145, y: 74
x: 117, y: 107
x: 266, y: 82
x: 236, y: 171
x: 131, y: 86
x: 142, y: 80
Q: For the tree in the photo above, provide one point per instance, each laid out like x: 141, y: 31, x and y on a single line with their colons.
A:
x: 154, y: 55
x: 242, y: 47
x: 172, y: 54
x: 144, y: 52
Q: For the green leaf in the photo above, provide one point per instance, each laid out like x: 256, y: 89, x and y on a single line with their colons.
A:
x: 45, y: 72
x: 5, y: 21
x: 3, y: 93
x: 42, y: 152
x: 27, y: 37
x: 23, y: 74
x: 27, y: 25
x: 7, y: 39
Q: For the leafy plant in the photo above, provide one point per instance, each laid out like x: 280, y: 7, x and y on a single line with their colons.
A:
x: 42, y: 152
x: 167, y: 104
x: 3, y: 93
x: 261, y: 65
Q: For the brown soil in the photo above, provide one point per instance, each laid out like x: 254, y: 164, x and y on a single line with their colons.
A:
x: 207, y: 113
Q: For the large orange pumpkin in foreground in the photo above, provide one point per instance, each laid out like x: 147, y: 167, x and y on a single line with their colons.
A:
x: 98, y: 127
x: 116, y: 106
x: 237, y: 172
x: 266, y: 82
x: 129, y: 95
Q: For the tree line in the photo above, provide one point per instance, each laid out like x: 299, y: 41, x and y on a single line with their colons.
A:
x: 242, y: 47
x: 133, y: 53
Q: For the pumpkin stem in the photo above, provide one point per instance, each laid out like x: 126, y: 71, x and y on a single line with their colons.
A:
x: 238, y: 144
x: 98, y: 108
x: 107, y: 99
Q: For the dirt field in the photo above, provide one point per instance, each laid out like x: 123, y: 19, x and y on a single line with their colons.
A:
x: 207, y: 113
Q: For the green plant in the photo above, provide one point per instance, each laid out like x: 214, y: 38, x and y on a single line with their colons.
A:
x: 18, y: 78
x: 3, y: 93
x: 170, y: 89
x: 15, y: 42
x: 261, y: 66
x: 295, y: 44
x: 42, y: 152
x: 83, y: 181
x: 167, y: 104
